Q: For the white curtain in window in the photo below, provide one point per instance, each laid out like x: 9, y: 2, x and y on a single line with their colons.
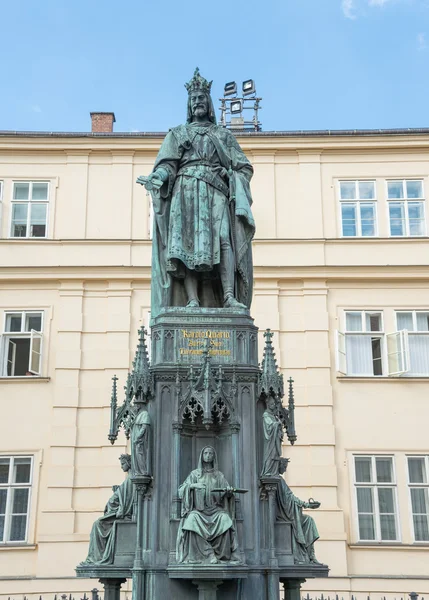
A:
x: 353, y: 321
x: 420, y: 505
x: 416, y: 469
x: 359, y: 355
x: 422, y: 321
x: 386, y: 505
x: 365, y: 513
x: 404, y: 321
x: 419, y: 354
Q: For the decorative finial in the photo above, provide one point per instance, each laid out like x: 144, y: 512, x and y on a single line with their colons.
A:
x: 198, y: 83
x: 271, y: 378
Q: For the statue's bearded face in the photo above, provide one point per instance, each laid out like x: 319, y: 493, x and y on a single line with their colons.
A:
x: 199, y: 104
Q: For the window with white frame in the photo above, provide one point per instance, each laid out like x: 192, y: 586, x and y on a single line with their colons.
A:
x: 406, y: 207
x: 15, y: 496
x: 416, y: 322
x: 418, y: 472
x: 21, y: 343
x: 376, y: 498
x: 29, y: 209
x: 365, y: 350
x: 358, y: 211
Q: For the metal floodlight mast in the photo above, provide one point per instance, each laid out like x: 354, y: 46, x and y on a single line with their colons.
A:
x: 248, y: 87
x: 230, y: 88
x: 236, y: 107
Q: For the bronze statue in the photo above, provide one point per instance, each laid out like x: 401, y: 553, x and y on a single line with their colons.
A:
x: 103, y: 533
x: 201, y: 253
x: 304, y: 528
x: 207, y: 529
x: 273, y: 437
x: 141, y: 443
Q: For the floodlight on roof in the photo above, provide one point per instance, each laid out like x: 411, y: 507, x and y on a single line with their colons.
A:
x: 230, y: 88
x: 249, y: 87
x: 236, y: 107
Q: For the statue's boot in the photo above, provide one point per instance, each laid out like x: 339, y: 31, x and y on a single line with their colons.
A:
x: 213, y: 560
x: 191, y: 287
x: 227, y: 276
x: 231, y: 302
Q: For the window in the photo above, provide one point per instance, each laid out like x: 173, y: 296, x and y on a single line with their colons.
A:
x: 376, y: 501
x: 365, y: 350
x: 15, y: 492
x: 418, y: 470
x: 406, y: 207
x: 22, y: 344
x: 29, y: 209
x: 358, y: 216
x: 363, y: 343
x: 417, y: 325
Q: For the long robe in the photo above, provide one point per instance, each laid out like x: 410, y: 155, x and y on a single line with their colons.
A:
x: 141, y: 444
x: 273, y: 436
x: 304, y: 528
x: 207, y: 525
x: 191, y: 208
x: 103, y: 533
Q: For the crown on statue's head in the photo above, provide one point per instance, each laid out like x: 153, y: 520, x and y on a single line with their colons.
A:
x: 198, y: 83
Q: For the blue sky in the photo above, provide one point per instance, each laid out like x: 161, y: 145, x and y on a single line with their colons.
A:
x: 318, y: 64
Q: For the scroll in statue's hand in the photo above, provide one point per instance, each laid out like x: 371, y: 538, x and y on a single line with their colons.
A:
x: 312, y: 503
x: 152, y: 182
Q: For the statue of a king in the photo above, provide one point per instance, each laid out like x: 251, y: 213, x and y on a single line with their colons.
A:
x: 203, y: 225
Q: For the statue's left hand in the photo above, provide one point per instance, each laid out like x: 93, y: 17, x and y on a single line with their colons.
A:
x: 312, y: 503
x: 229, y: 491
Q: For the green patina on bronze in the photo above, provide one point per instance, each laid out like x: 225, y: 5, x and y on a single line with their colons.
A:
x: 201, y: 253
x: 103, y: 532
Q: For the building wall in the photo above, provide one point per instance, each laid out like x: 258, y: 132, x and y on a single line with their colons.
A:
x: 91, y: 278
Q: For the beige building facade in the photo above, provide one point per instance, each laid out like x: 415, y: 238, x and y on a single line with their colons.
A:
x: 341, y: 276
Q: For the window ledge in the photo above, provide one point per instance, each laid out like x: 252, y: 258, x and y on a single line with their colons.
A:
x: 17, y: 546
x: 389, y: 545
x: 25, y: 378
x: 423, y: 378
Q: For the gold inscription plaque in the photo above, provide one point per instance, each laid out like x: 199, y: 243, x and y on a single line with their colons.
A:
x: 195, y: 341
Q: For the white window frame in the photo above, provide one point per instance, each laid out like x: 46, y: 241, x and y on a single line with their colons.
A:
x: 9, y: 486
x: 416, y: 485
x: 373, y: 334
x: 389, y: 362
x: 357, y: 202
x: 414, y: 332
x: 5, y: 339
x: 405, y: 200
x: 29, y: 202
x: 1, y: 205
x: 375, y: 485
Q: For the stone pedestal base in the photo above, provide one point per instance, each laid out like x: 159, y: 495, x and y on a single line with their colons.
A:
x: 207, y: 589
x: 112, y: 588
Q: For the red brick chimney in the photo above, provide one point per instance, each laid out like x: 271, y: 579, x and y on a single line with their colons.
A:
x: 102, y: 122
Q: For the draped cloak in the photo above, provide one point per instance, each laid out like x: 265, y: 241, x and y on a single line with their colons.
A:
x: 207, y: 526
x: 141, y: 444
x: 304, y: 528
x: 190, y: 209
x: 273, y: 436
x: 103, y: 533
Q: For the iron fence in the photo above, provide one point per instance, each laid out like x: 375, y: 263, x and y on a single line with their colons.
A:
x: 409, y: 596
x: 93, y: 595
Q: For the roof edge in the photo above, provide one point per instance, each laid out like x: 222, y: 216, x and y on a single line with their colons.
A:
x: 238, y: 133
